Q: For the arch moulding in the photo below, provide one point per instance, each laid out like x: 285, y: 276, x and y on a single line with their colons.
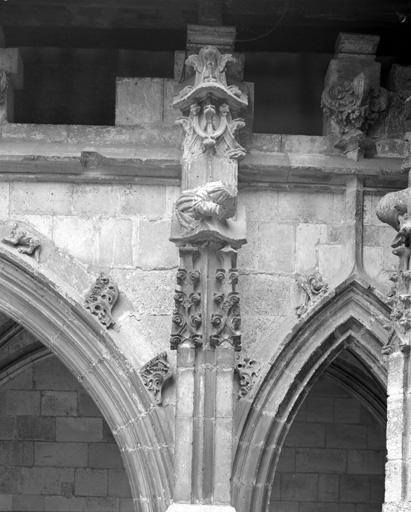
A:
x: 352, y: 316
x: 52, y: 310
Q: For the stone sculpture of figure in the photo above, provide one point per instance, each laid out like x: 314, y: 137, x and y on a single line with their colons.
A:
x: 216, y: 200
x: 26, y: 243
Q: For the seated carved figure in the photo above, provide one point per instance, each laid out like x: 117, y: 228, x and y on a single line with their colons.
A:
x: 216, y: 200
x: 26, y: 242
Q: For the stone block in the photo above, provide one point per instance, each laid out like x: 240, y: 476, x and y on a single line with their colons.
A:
x: 371, y: 236
x: 367, y: 462
x: 6, y: 501
x: 8, y: 427
x: 249, y: 253
x: 104, y: 455
x: 91, y: 482
x: 36, y: 428
x: 52, y: 375
x: 62, y: 504
x: 264, y: 295
x: 39, y: 198
x: 35, y: 133
x: 377, y: 489
x: 327, y: 387
x: 12, y: 63
x: 170, y: 114
x: 139, y: 101
x: 126, y: 505
x: 28, y: 503
x: 201, y: 35
x: 373, y: 258
x: 327, y: 507
x: 328, y: 487
x: 347, y: 410
x: 284, y: 506
x: 118, y: 484
x: 87, y: 406
x: 399, y: 79
x: 354, y: 488
x: 59, y: 403
x: 308, y: 238
x: 77, y: 235
x: 19, y: 403
x: 115, y: 243
x: 299, y: 487
x: 277, y: 248
x: 153, y: 248
x: 306, y: 435
x: 330, y: 259
x: 305, y: 207
x: 41, y: 223
x: 101, y: 504
x: 47, y: 481
x: 89, y: 200
x: 147, y: 201
x: 368, y: 507
x: 356, y: 44
x: 79, y: 429
x: 10, y: 480
x: 310, y: 460
x: 346, y: 436
x: 23, y: 380
x: 70, y: 455
x: 320, y: 409
x: 4, y: 200
x: 15, y: 453
x: 286, y: 464
x: 260, y: 204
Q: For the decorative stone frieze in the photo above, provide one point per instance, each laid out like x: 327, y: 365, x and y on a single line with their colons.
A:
x: 248, y: 370
x: 154, y: 374
x: 101, y: 299
x: 354, y: 107
x: 313, y: 288
x: 25, y: 242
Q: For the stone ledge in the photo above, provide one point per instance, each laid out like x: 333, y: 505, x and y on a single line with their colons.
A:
x: 186, y: 507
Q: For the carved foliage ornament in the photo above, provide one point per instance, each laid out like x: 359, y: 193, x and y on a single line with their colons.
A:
x: 248, y: 370
x: 25, y: 242
x: 101, y: 299
x: 354, y: 106
x: 313, y: 288
x: 154, y: 374
x: 187, y: 319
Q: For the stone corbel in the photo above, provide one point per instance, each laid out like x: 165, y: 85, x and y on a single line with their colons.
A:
x: 354, y: 107
x: 313, y: 288
x: 101, y: 299
x: 154, y: 374
x: 25, y: 242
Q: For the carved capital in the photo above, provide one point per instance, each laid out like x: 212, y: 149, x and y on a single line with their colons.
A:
x: 25, y: 242
x: 354, y: 107
x: 154, y: 374
x: 210, y: 81
x: 101, y: 299
x: 313, y: 287
x: 248, y: 370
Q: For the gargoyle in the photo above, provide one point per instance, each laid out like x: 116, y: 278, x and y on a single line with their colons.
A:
x: 27, y: 243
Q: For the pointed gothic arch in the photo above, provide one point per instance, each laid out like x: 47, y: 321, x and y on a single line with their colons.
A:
x: 352, y: 317
x: 43, y: 303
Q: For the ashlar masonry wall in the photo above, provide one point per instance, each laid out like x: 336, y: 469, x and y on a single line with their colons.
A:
x: 56, y: 450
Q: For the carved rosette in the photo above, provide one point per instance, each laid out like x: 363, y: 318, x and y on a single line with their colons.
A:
x: 313, y: 287
x: 187, y: 317
x: 248, y: 370
x: 211, y: 106
x: 101, y: 299
x: 354, y: 107
x: 225, y: 317
x: 154, y: 374
x: 25, y: 242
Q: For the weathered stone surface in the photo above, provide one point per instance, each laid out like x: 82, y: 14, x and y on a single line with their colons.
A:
x: 139, y: 100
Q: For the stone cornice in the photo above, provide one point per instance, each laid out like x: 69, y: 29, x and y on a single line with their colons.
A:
x: 149, y: 155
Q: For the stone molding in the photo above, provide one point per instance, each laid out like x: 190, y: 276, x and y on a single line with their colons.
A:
x: 101, y: 299
x: 154, y: 375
